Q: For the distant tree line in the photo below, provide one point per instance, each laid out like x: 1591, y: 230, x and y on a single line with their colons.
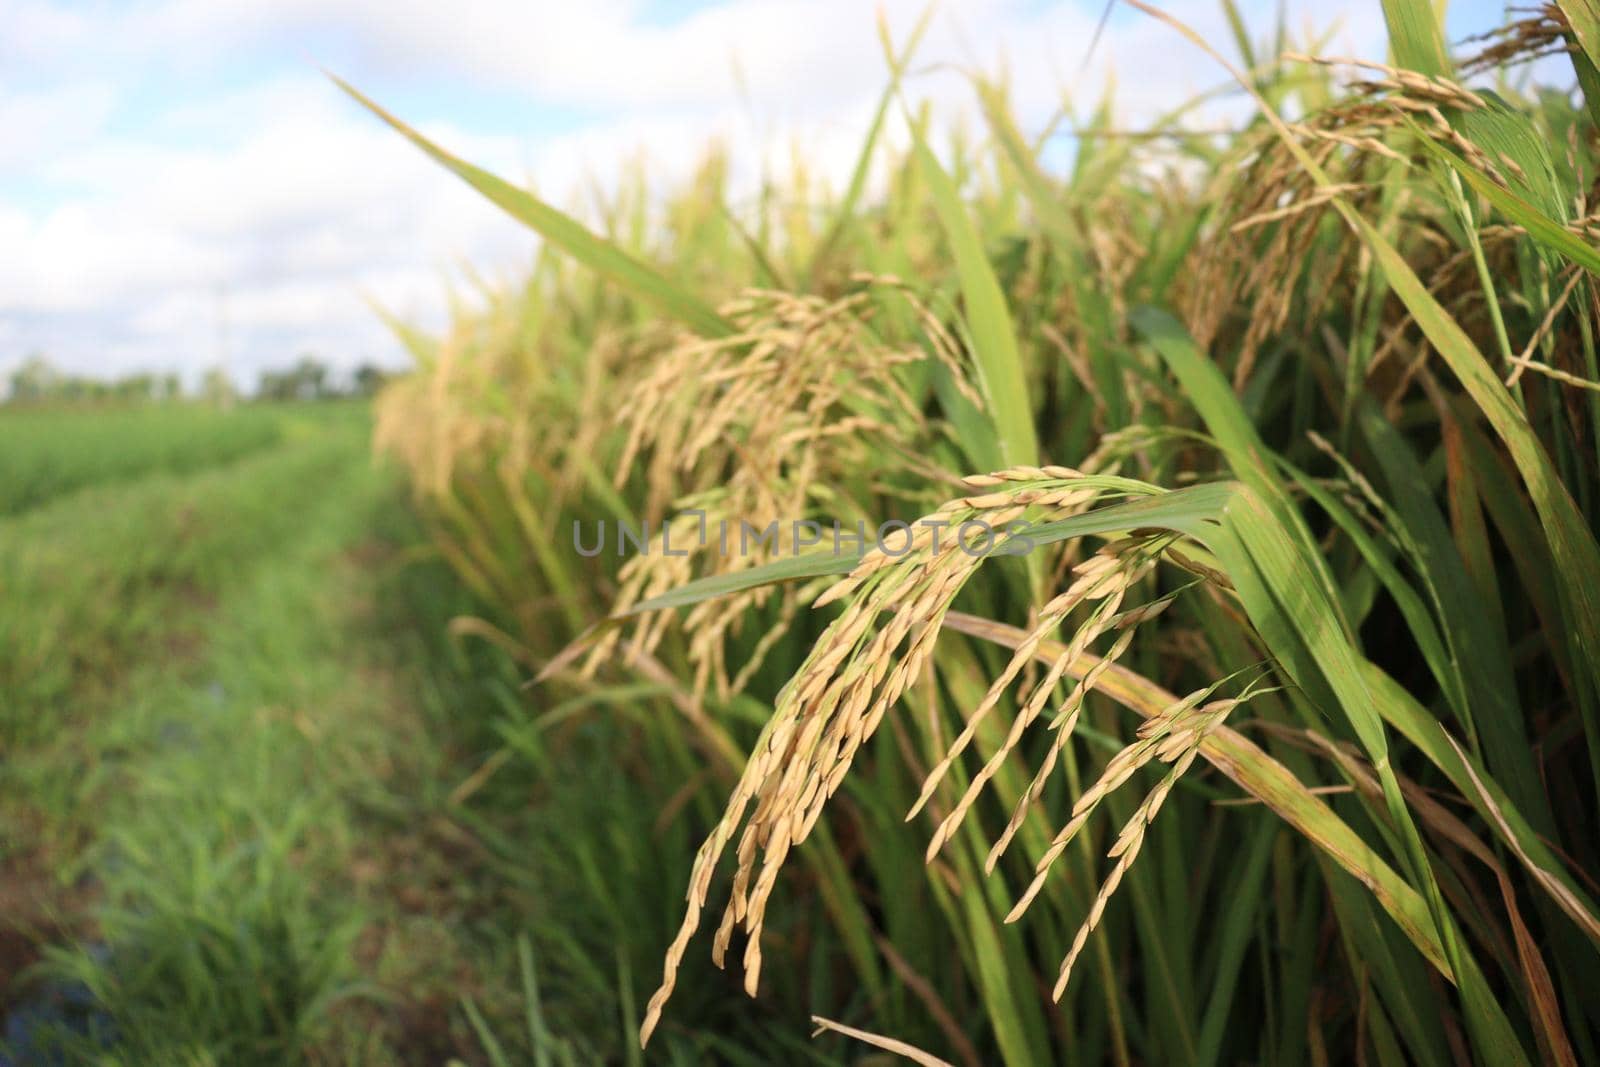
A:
x: 38, y: 381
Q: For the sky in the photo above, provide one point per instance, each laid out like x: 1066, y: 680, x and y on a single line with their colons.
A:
x: 182, y: 188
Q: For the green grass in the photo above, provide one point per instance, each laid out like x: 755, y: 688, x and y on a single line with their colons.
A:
x: 230, y: 929
x: 224, y: 811
x: 46, y: 453
x: 129, y: 566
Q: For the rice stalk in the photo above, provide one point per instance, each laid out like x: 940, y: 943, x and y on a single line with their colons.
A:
x: 895, y: 601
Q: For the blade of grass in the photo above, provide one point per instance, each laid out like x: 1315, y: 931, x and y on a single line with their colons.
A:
x: 1417, y: 37
x: 1479, y: 649
x: 994, y: 339
x: 1239, y: 911
x: 845, y: 210
x: 1584, y: 18
x: 600, y: 255
x: 1540, y: 226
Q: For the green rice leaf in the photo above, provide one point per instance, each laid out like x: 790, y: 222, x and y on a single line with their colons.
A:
x: 1505, y: 133
x: 1584, y: 18
x: 1417, y: 37
x: 562, y: 230
x: 845, y: 211
x: 1541, y: 227
x: 1493, y: 714
x: 1583, y: 38
x: 1194, y: 503
x: 1206, y: 388
x: 1241, y: 33
x: 994, y: 339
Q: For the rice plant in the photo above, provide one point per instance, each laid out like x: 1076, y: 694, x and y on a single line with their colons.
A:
x: 1279, y: 742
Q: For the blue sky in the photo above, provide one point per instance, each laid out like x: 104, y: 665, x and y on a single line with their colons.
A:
x: 181, y: 188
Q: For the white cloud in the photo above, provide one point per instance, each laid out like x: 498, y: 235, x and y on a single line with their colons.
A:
x: 41, y: 123
x: 175, y: 255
